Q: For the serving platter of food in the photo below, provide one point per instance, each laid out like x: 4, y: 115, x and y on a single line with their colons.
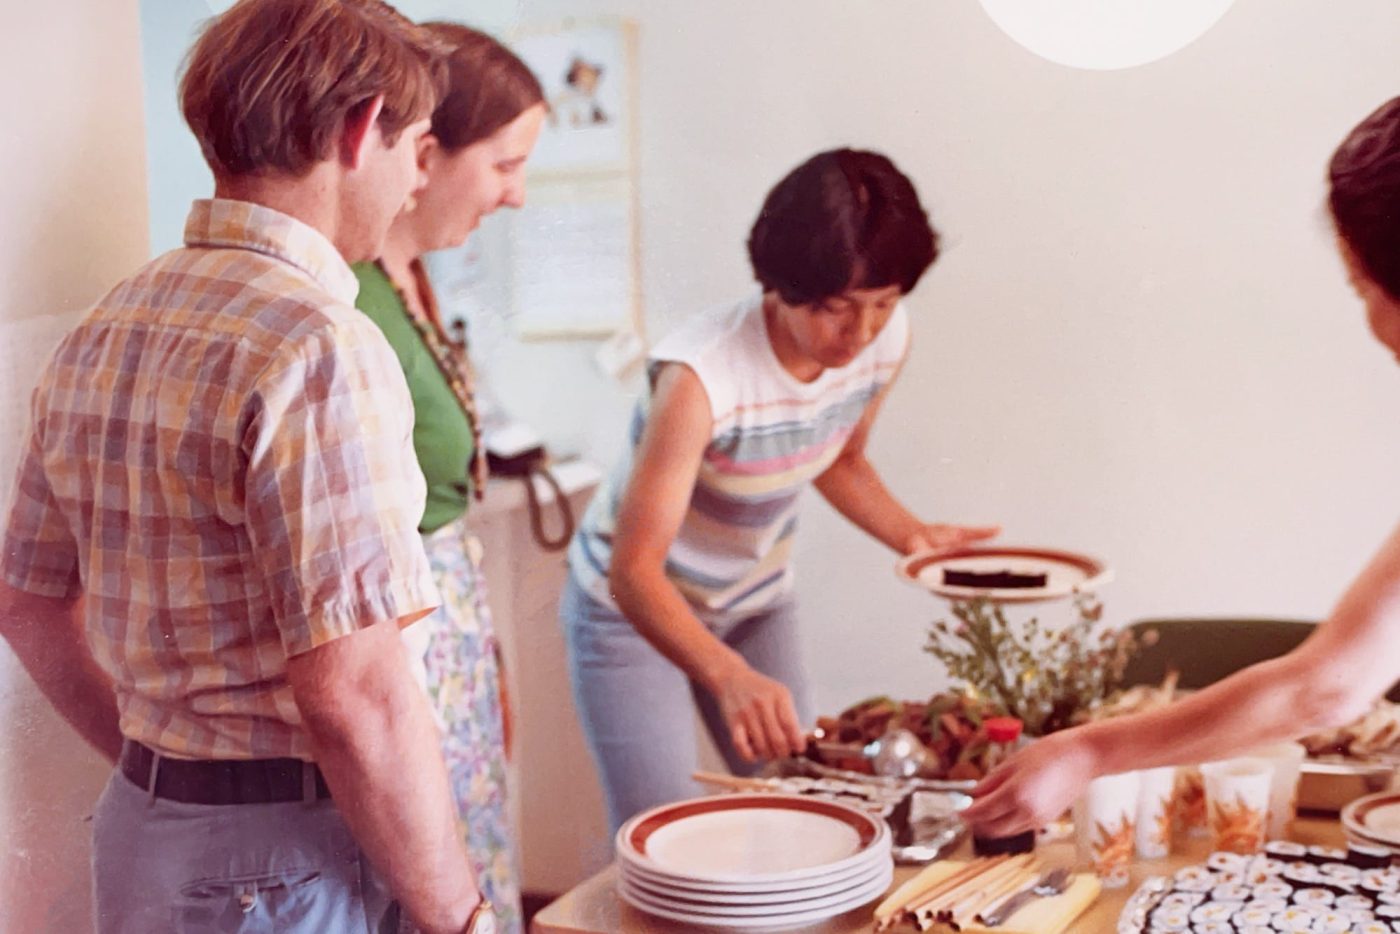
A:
x: 1003, y: 574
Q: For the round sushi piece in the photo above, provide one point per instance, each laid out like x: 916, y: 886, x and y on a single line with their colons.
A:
x: 1171, y: 919
x: 1252, y: 915
x: 1187, y: 900
x: 1213, y: 911
x: 1285, y: 850
x: 1371, y: 927
x: 1314, y: 898
x: 1351, y: 902
x: 1213, y: 927
x: 1202, y: 881
x: 1271, y: 905
x: 1325, y: 854
x: 1359, y: 915
x: 1294, y: 919
x: 1273, y: 890
x: 1388, y: 898
x: 1342, y: 872
x: 1380, y: 880
x: 1388, y: 912
x: 1231, y: 892
x: 1225, y: 861
x: 1366, y: 856
x: 1332, y: 922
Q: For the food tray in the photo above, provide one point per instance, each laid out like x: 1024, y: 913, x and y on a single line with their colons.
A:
x: 1331, y: 783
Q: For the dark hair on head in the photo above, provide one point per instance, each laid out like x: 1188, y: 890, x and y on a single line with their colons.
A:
x: 1365, y: 195
x: 488, y: 86
x: 844, y: 219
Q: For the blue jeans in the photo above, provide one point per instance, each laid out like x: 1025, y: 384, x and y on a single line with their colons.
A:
x: 638, y: 709
x: 164, y: 866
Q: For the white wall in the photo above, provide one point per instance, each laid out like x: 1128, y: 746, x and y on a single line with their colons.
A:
x: 73, y: 199
x: 1138, y: 341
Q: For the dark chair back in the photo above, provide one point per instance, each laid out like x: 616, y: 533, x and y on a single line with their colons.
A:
x: 1205, y: 650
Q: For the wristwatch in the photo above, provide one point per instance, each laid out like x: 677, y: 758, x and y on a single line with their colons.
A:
x: 482, y: 919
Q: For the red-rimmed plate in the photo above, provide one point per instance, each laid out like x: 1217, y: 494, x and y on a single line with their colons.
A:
x: 1066, y: 572
x: 753, y: 840
x: 755, y: 918
x: 1375, y: 817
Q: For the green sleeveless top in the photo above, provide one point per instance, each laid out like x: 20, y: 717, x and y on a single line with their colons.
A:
x: 442, y: 432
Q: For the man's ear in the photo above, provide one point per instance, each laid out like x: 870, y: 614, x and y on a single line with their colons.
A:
x: 359, y: 132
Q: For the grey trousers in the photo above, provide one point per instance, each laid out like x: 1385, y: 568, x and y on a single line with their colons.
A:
x: 638, y: 710
x: 163, y: 866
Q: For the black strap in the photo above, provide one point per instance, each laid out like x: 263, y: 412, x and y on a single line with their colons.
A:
x: 566, y: 512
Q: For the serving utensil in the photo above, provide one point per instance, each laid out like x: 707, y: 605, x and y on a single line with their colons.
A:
x: 1053, y: 882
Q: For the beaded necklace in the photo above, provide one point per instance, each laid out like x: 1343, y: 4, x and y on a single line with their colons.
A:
x: 451, y: 357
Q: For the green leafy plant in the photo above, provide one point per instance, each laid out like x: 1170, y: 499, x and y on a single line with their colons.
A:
x: 1048, y: 678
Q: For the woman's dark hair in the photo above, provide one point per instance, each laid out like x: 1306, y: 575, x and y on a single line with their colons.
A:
x: 842, y: 220
x: 1365, y: 195
x: 488, y: 86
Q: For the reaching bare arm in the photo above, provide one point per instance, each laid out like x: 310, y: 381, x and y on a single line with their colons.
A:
x: 759, y: 710
x: 379, y: 748
x: 48, y: 638
x: 1329, y: 680
x: 853, y: 487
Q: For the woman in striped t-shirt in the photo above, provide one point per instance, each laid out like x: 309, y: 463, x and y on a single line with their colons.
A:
x: 680, y: 579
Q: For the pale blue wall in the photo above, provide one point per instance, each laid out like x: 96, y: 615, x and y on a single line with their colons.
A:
x: 177, y: 173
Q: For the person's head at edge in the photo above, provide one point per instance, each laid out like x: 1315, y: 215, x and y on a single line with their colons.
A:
x: 483, y: 129
x: 314, y: 108
x: 1365, y: 201
x: 837, y: 242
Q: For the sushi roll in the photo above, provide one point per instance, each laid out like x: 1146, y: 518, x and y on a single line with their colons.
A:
x: 1253, y: 916
x: 1171, y: 919
x: 1231, y: 892
x: 1195, y: 879
x: 1272, y: 905
x: 1342, y: 872
x: 1388, y: 898
x: 1224, y: 861
x: 1295, y: 919
x: 1332, y: 922
x: 1213, y: 927
x: 1285, y: 850
x: 1187, y: 900
x: 1273, y: 890
x: 1388, y: 913
x: 1353, y: 902
x: 1213, y: 911
x: 1371, y: 927
x: 1365, y: 856
x: 1325, y: 854
x: 1314, y: 898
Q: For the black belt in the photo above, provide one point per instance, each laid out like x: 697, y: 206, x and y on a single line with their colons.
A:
x: 223, y: 781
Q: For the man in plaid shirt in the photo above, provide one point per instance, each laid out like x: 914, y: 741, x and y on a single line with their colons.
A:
x: 212, y: 543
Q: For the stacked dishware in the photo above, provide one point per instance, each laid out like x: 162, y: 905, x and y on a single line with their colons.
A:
x: 1374, y: 821
x: 753, y: 861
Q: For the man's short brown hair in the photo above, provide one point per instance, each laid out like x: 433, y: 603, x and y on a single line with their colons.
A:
x: 270, y: 82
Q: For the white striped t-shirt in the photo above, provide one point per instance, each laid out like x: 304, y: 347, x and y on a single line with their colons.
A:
x: 772, y: 436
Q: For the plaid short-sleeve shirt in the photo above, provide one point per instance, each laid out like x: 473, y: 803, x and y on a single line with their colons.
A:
x: 220, y: 460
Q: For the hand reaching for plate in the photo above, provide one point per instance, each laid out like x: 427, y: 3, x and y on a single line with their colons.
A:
x: 939, y: 537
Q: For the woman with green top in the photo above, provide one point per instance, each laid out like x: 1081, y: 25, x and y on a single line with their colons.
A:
x: 473, y: 163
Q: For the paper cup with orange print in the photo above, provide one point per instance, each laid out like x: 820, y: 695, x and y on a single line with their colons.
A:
x: 1287, y: 762
x: 1237, y: 802
x: 1104, y: 819
x: 1189, y: 804
x: 1154, y: 812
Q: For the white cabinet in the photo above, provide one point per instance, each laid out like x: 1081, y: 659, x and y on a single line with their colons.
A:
x: 555, y: 800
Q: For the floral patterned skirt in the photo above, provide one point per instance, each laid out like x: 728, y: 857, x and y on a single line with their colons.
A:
x: 464, y: 681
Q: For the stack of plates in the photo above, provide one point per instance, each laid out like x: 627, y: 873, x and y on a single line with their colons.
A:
x: 1374, y: 820
x: 753, y: 861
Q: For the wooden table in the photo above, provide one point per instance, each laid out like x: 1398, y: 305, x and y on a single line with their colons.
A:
x: 593, y: 907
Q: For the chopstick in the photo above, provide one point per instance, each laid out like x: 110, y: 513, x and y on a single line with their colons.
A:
x: 951, y: 901
x: 911, y: 896
x: 732, y: 781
